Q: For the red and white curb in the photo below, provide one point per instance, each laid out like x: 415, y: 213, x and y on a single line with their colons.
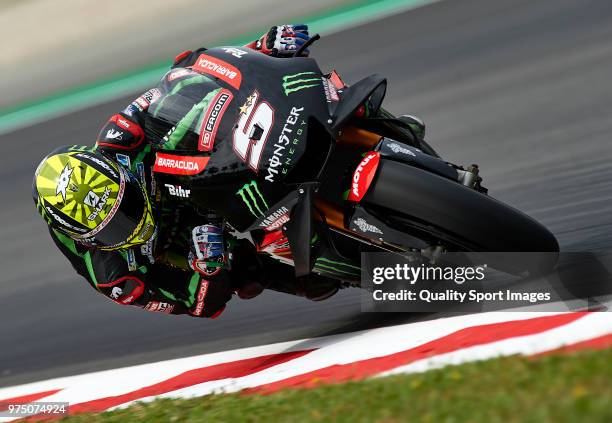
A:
x: 413, y: 347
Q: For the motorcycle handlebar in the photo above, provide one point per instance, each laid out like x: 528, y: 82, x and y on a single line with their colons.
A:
x: 307, y: 44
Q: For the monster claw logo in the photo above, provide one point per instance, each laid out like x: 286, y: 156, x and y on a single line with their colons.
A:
x: 252, y: 197
x: 64, y: 180
x: 299, y: 81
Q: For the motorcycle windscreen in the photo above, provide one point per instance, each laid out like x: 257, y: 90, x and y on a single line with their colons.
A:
x: 184, y: 115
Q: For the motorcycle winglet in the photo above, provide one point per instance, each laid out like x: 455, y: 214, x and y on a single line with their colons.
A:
x: 299, y: 229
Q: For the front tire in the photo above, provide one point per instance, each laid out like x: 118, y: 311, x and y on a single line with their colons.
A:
x: 462, y: 217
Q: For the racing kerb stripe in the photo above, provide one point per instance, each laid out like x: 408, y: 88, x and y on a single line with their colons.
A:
x: 464, y: 338
x: 24, y: 399
x: 407, y: 348
x: 234, y: 369
x: 90, y: 94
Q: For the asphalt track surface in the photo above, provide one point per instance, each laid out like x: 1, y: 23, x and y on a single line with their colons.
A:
x: 521, y: 87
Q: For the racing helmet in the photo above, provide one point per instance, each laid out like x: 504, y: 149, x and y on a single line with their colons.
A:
x: 90, y: 198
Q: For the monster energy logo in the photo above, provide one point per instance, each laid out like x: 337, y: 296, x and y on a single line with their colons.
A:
x: 299, y: 81
x: 252, y: 197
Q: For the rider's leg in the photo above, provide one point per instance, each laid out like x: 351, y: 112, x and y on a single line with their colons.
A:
x: 280, y: 277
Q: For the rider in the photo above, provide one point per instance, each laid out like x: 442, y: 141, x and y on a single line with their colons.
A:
x: 134, y: 242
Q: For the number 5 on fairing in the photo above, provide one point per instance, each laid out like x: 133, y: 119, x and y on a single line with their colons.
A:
x: 252, y: 130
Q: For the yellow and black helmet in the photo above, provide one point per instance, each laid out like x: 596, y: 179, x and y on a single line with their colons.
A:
x: 92, y: 199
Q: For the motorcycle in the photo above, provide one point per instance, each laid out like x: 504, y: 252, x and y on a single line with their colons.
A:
x: 287, y: 147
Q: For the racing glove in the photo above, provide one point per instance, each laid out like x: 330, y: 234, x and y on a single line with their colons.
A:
x: 211, y: 297
x: 207, y: 254
x: 282, y: 40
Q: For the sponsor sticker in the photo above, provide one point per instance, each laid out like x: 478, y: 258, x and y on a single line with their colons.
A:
x: 159, y: 307
x: 362, y: 178
x: 179, y: 165
x: 63, y: 181
x: 212, y: 120
x: 199, y: 307
x: 141, y: 173
x: 124, y: 160
x: 113, y: 134
x: 299, y: 81
x: 365, y: 226
x: 131, y: 109
x: 144, y: 101
x: 91, y: 199
x: 179, y: 73
x: 276, y: 219
x: 253, y: 198
x: 147, y: 248
x: 396, y: 148
x: 116, y: 292
x: 285, y: 144
x: 62, y: 221
x: 335, y: 79
x: 219, y: 69
x: 236, y: 52
x: 178, y: 191
x: 96, y: 202
x: 331, y: 94
x: 125, y: 124
x: 99, y: 162
x: 131, y: 260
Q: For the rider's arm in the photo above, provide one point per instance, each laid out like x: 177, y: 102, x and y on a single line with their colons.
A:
x: 282, y: 40
x: 123, y: 132
x: 108, y: 272
x: 218, y: 256
x: 279, y: 41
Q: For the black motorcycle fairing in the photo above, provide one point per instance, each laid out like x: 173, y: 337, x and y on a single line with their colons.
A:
x: 299, y: 229
x: 261, y: 135
x: 395, y: 150
x: 373, y: 87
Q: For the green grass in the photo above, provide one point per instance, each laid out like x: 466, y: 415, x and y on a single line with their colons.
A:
x: 558, y: 388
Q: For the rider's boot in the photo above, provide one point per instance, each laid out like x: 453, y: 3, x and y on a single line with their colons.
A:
x: 280, y: 277
x: 249, y: 290
x: 312, y: 287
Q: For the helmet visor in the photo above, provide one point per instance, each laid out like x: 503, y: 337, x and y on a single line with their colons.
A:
x: 131, y: 223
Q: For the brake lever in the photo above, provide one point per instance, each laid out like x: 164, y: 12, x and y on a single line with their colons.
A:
x: 307, y: 44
